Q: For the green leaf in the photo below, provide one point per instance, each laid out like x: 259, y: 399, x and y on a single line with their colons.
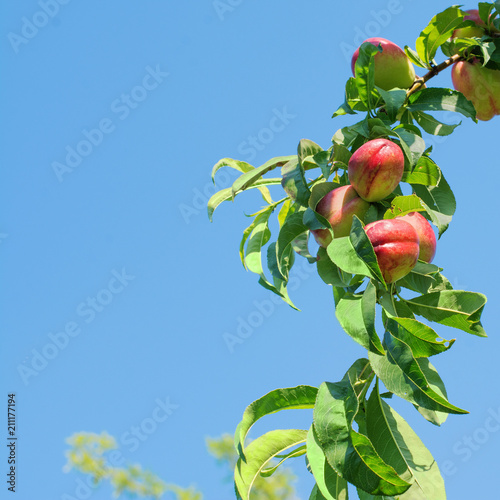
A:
x: 227, y: 194
x: 436, y: 417
x: 243, y: 167
x: 294, y: 182
x: 414, y: 57
x: 329, y: 272
x: 423, y: 283
x: 288, y: 208
x: 345, y: 136
x: 291, y: 398
x: 328, y: 482
x: 422, y: 339
x: 259, y: 452
x: 249, y: 178
x: 342, y: 254
x: 248, y: 231
x: 402, y: 205
x: 485, y: 10
x: 356, y: 315
x: 298, y: 452
x: 439, y: 203
x: 349, y: 453
x: 433, y: 126
x: 455, y: 308
x: 352, y: 101
x: 426, y: 172
x: 440, y: 99
x: 341, y: 154
x: 279, y: 288
x: 399, y: 445
x: 393, y: 99
x: 411, y: 142
x: 363, y: 495
x: 363, y: 247
x: 301, y: 246
x: 365, y: 73
x: 439, y: 29
x: 240, y: 166
x: 259, y: 236
x: 401, y: 374
x: 291, y: 229
x: 426, y: 269
x: 320, y: 160
x: 307, y: 148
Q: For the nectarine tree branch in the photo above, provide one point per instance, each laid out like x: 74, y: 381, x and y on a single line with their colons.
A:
x: 419, y: 82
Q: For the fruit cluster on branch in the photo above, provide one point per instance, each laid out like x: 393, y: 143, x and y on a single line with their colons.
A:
x: 376, y: 247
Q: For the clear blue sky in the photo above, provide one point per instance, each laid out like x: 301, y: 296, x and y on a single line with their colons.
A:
x: 141, y: 99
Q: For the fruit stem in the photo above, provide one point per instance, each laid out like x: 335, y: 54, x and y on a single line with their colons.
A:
x: 420, y: 81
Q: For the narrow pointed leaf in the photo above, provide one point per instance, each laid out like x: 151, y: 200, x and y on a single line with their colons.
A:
x: 422, y: 283
x: 259, y: 452
x: 328, y: 482
x: 342, y: 254
x: 439, y: 29
x: 243, y: 167
x: 436, y: 417
x: 330, y: 272
x: 240, y: 166
x: 363, y: 247
x: 292, y: 398
x: 422, y: 339
x: 440, y: 99
x: 412, y: 144
x: 288, y: 208
x: 414, y: 57
x: 259, y: 236
x: 349, y: 453
x: 279, y: 288
x: 227, y: 194
x: 356, y: 315
x: 439, y: 203
x: 433, y: 126
x: 365, y: 73
x: 294, y: 182
x: 401, y: 374
x: 455, y: 308
x: 298, y: 452
x: 301, y: 246
x: 291, y: 229
x: 249, y: 178
x: 398, y: 445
